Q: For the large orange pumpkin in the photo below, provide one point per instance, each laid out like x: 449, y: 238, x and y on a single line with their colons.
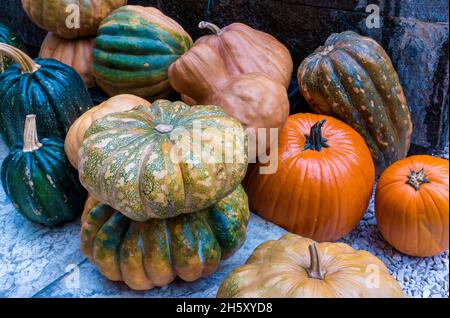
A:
x: 76, y: 53
x: 324, y: 179
x: 411, y: 205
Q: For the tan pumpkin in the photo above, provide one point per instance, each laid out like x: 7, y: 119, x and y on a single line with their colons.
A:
x: 297, y: 267
x: 411, y: 205
x: 76, y: 53
x: 75, y: 135
x: 254, y: 99
x: 54, y: 15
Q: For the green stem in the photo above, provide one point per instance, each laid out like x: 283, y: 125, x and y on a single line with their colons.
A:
x: 315, y: 141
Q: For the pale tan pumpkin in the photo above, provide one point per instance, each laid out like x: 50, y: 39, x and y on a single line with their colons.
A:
x: 76, y: 53
x: 75, y: 135
x: 297, y: 267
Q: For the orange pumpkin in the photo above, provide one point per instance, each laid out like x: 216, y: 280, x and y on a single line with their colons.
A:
x: 76, y: 53
x: 411, y: 205
x: 324, y: 179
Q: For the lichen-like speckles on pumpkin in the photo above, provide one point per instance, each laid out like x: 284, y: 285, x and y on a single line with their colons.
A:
x: 128, y: 163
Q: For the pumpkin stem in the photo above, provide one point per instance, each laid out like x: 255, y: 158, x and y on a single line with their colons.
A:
x: 25, y: 62
x: 314, y: 267
x: 30, y: 137
x: 315, y: 141
x: 416, y: 179
x: 210, y: 26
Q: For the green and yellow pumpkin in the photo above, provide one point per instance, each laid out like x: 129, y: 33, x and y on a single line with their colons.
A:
x: 40, y: 181
x: 133, y: 50
x: 7, y: 36
x: 163, y: 160
x: 51, y: 90
x: 352, y: 78
x: 155, y: 252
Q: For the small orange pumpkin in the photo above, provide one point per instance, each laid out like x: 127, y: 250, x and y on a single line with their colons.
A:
x: 411, y: 205
x: 324, y: 179
x: 76, y: 53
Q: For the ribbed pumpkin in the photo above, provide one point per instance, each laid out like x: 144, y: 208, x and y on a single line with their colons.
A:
x: 324, y: 179
x: 134, y: 49
x: 154, y: 253
x: 297, y: 267
x: 51, y: 90
x: 163, y: 161
x: 39, y: 180
x: 352, y: 78
x: 75, y: 135
x: 76, y: 53
x: 54, y: 15
x: 246, y: 50
x: 7, y: 36
x: 411, y: 205
x: 202, y: 77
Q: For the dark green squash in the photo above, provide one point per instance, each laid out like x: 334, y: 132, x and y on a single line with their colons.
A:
x: 352, y: 78
x: 40, y: 181
x: 155, y: 252
x: 51, y: 90
x: 133, y: 50
x: 7, y: 36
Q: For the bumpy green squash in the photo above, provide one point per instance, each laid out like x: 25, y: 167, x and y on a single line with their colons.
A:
x: 153, y: 253
x: 163, y: 160
x: 134, y: 49
x: 51, y: 90
x: 352, y: 78
x: 7, y: 36
x: 40, y: 181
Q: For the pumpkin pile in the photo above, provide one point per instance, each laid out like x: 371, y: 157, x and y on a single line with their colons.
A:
x: 160, y: 184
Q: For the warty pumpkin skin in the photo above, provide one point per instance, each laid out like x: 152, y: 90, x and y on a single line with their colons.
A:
x: 51, y: 15
x: 134, y: 49
x: 411, y: 205
x: 323, y: 183
x: 144, y: 162
x: 297, y: 267
x: 352, y: 78
x: 246, y: 50
x: 53, y: 91
x: 38, y: 179
x: 76, y: 53
x: 254, y: 99
x: 7, y: 36
x: 75, y: 135
x: 153, y: 253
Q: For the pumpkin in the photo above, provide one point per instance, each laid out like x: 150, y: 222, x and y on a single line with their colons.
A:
x: 324, y: 179
x: 411, y: 205
x: 134, y: 49
x: 51, y: 90
x: 163, y: 161
x: 352, y: 78
x: 246, y: 50
x: 155, y: 252
x: 60, y: 16
x: 38, y: 179
x: 7, y: 36
x: 254, y: 99
x: 76, y: 53
x: 298, y: 267
x: 75, y: 135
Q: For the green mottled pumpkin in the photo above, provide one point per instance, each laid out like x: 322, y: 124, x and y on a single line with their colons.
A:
x: 51, y: 90
x: 163, y: 160
x: 352, y: 78
x: 153, y: 253
x: 7, y: 36
x: 40, y: 181
x: 134, y: 49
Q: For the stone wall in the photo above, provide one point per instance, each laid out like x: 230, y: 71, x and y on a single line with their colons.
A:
x: 413, y: 32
